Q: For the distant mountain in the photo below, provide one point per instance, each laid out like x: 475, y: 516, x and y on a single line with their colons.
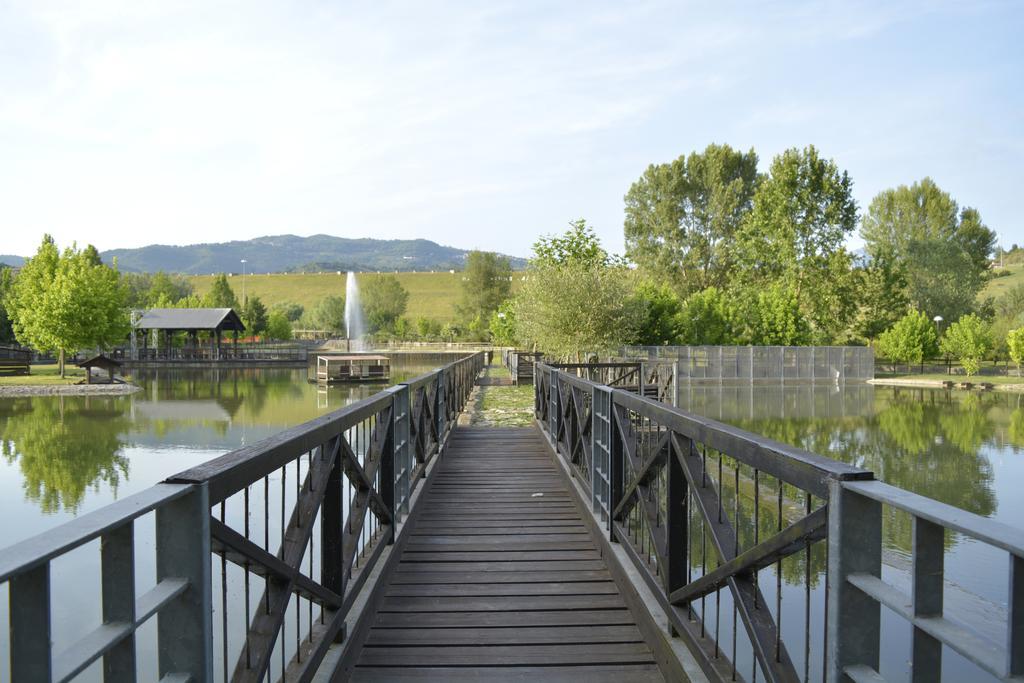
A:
x: 290, y: 253
x: 12, y: 260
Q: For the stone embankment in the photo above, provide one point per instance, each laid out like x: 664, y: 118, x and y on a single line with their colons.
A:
x: 68, y: 390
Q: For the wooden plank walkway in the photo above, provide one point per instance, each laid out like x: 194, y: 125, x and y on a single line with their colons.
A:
x: 500, y: 579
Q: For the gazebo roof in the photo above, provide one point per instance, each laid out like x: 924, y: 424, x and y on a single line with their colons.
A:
x: 190, y: 319
x: 100, y: 361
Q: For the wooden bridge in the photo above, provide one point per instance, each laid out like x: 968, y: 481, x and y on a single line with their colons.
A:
x: 617, y: 539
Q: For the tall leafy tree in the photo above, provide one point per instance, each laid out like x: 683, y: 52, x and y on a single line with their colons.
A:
x: 662, y: 307
x: 328, y: 314
x: 576, y: 298
x: 65, y: 302
x: 681, y: 217
x: 221, y: 295
x: 384, y: 302
x: 945, y: 250
x: 882, y: 299
x: 707, y: 318
x: 254, y: 314
x: 6, y: 284
x: 486, y: 283
x: 794, y: 234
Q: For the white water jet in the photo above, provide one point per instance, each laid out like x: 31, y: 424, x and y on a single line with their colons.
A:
x: 354, y: 326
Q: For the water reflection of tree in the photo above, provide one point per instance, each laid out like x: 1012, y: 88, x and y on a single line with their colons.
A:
x: 925, y: 442
x: 64, y: 446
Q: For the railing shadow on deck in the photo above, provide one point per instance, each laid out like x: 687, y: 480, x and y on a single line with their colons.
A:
x: 259, y: 555
x: 701, y: 509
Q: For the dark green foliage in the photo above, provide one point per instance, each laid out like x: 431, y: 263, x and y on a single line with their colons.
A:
x: 682, y: 217
x: 661, y: 322
x: 221, y: 295
x: 328, y: 314
x: 503, y: 325
x: 6, y: 282
x: 578, y: 245
x: 254, y: 315
x: 882, y: 296
x: 292, y: 312
x: 945, y: 250
x: 278, y: 326
x: 707, y: 318
x: 384, y: 302
x: 486, y: 282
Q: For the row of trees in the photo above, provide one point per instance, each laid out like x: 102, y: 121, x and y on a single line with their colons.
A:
x: 717, y: 253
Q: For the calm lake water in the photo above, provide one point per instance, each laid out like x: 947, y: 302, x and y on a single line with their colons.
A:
x: 63, y: 456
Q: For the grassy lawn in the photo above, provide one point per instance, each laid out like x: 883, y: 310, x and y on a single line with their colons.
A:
x: 44, y: 374
x: 503, y: 406
x: 431, y: 295
x: 943, y: 377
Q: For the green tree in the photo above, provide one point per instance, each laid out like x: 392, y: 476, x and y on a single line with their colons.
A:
x: 681, y: 217
x: 92, y: 255
x: 945, y: 250
x: 427, y: 328
x: 968, y: 339
x: 910, y: 340
x: 221, y: 295
x: 278, y: 326
x: 576, y: 246
x: 6, y: 284
x: 450, y: 331
x: 384, y: 302
x: 707, y: 318
x: 882, y: 300
x: 773, y: 318
x: 167, y: 288
x: 254, y: 315
x: 576, y: 298
x: 328, y: 314
x: 795, y: 232
x: 65, y: 302
x: 503, y: 325
x: 661, y: 307
x: 291, y: 311
x: 486, y: 282
x: 1015, y: 344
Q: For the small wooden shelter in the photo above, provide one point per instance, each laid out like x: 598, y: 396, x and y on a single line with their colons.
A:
x: 352, y: 368
x: 102, y: 363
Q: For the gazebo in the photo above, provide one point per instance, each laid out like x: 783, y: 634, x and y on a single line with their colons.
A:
x: 167, y: 321
x: 103, y: 363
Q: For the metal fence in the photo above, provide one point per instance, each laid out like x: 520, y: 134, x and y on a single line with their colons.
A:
x: 762, y: 363
x: 258, y: 556
x: 727, y: 527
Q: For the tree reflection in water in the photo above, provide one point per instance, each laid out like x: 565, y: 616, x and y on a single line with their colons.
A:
x: 64, y: 446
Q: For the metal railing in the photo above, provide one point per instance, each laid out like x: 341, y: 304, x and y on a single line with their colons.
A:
x: 259, y: 554
x: 520, y: 364
x: 724, y: 526
x: 762, y: 363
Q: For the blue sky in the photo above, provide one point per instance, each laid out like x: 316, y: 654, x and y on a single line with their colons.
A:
x: 125, y: 123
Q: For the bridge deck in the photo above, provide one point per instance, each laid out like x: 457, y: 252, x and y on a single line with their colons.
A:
x: 500, y: 579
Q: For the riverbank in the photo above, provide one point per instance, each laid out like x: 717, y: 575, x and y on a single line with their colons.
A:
x: 999, y: 383
x: 14, y: 390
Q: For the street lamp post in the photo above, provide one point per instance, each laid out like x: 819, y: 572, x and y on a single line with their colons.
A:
x: 938, y: 320
x: 243, y: 282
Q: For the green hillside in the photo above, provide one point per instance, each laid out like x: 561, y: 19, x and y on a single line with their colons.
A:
x: 431, y: 295
x: 996, y: 287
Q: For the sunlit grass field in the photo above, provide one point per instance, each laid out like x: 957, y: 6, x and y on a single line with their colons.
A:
x: 431, y: 295
x: 996, y: 287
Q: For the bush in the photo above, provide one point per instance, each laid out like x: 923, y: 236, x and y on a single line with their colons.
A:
x: 910, y: 340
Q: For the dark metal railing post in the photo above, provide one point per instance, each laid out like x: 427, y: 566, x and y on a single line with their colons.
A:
x: 854, y: 547
x: 616, y: 466
x: 185, y: 626
x: 387, y: 470
x: 554, y: 407
x: 676, y: 529
x: 402, y: 420
x: 332, y: 571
